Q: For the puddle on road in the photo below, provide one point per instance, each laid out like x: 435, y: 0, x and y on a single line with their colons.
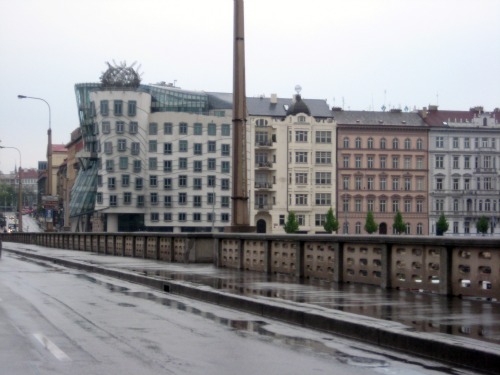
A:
x: 318, y: 346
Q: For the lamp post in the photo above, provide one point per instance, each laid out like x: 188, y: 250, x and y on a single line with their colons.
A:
x: 49, y: 152
x: 20, y: 200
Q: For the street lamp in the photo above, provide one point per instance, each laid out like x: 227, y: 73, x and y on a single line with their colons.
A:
x: 20, y: 200
x: 49, y: 152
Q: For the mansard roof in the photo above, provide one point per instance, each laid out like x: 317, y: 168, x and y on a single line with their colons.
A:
x: 391, y: 118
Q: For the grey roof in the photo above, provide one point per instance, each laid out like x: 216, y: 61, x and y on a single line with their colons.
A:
x: 263, y: 107
x: 395, y: 118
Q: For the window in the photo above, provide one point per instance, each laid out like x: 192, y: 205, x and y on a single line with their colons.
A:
x: 420, y: 162
x: 383, y: 205
x: 123, y: 162
x: 182, y: 198
x: 224, y: 201
x: 135, y: 148
x: 301, y: 136
x: 183, y: 146
x: 407, y: 162
x: 113, y: 200
x: 110, y: 165
x: 127, y: 198
x: 439, y: 183
x: 395, y: 183
x: 319, y: 220
x: 300, y: 178
x: 167, y: 148
x: 154, y: 216
x: 153, y: 181
x: 211, y: 164
x: 224, y: 184
x: 383, y: 183
x: 104, y: 108
x: 407, y: 205
x: 137, y: 166
x: 167, y: 128
x: 439, y: 142
x: 224, y: 217
x: 138, y: 183
x: 370, y: 162
x: 197, y: 166
x: 370, y: 142
x: 198, y: 129
x: 407, y: 144
x: 420, y: 144
x: 357, y: 228
x: 439, y: 204
x: 125, y: 180
x: 358, y: 183
x: 487, y: 162
x: 358, y: 142
x: 301, y: 157
x: 467, y: 184
x: 211, y: 198
x: 345, y: 205
x: 198, y: 149
x: 212, y: 129
x: 466, y: 162
x: 323, y: 199
x: 153, y: 128
x: 122, y: 145
x: 420, y: 228
x: 106, y: 127
x: 456, y: 162
x: 167, y: 166
x: 455, y: 205
x: 111, y: 182
x: 357, y: 205
x: 212, y: 146
x: 197, y: 183
x: 132, y: 108
x: 183, y: 163
x: 301, y: 199
x: 383, y: 162
x: 383, y: 143
x: 357, y: 162
x: 407, y: 183
x: 323, y: 157
x: 153, y: 164
x: 225, y: 167
x: 455, y: 184
x: 346, y: 161
x: 167, y: 183
x: 153, y: 197
x: 225, y: 150
x: 323, y: 178
x: 120, y: 127
x: 370, y: 185
x: 118, y: 107
x: 133, y: 127
x: 211, y: 181
x: 370, y: 205
x: 152, y: 146
x: 408, y: 228
x: 183, y: 128
x: 167, y: 201
x: 420, y: 206
x: 455, y: 142
x: 395, y: 205
x: 346, y: 142
x: 182, y: 180
x: 395, y: 162
x: 225, y: 130
x: 487, y: 183
x: 439, y: 159
x: 395, y: 143
x: 323, y: 137
x: 108, y: 148
x: 197, y: 201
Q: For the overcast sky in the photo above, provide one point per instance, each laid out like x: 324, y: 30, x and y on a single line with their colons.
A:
x: 357, y: 54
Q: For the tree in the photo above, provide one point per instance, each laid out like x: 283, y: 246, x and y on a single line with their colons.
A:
x: 441, y: 225
x: 331, y: 222
x: 370, y: 225
x: 291, y: 225
x: 482, y: 225
x: 399, y: 225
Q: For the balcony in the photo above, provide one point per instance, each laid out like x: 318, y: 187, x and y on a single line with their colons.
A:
x: 264, y: 165
x: 485, y: 170
x: 263, y: 185
x: 263, y: 144
x: 263, y: 206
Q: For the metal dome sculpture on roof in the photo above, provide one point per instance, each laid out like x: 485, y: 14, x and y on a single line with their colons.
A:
x: 121, y: 76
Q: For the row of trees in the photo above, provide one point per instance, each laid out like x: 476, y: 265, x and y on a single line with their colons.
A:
x: 332, y: 224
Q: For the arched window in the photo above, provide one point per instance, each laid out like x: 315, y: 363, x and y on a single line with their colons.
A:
x: 370, y: 142
x: 420, y: 228
x: 382, y: 143
x: 358, y: 142
x: 395, y: 143
x: 346, y: 142
x: 407, y: 144
x: 420, y: 144
x: 408, y: 228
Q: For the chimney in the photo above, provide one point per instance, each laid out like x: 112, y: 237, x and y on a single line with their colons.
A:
x: 274, y: 99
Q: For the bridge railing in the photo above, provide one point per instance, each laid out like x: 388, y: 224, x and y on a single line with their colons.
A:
x: 443, y: 265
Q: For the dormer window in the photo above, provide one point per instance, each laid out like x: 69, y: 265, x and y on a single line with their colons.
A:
x: 301, y: 118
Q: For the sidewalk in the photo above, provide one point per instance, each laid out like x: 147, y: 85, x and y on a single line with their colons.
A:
x: 420, y: 324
